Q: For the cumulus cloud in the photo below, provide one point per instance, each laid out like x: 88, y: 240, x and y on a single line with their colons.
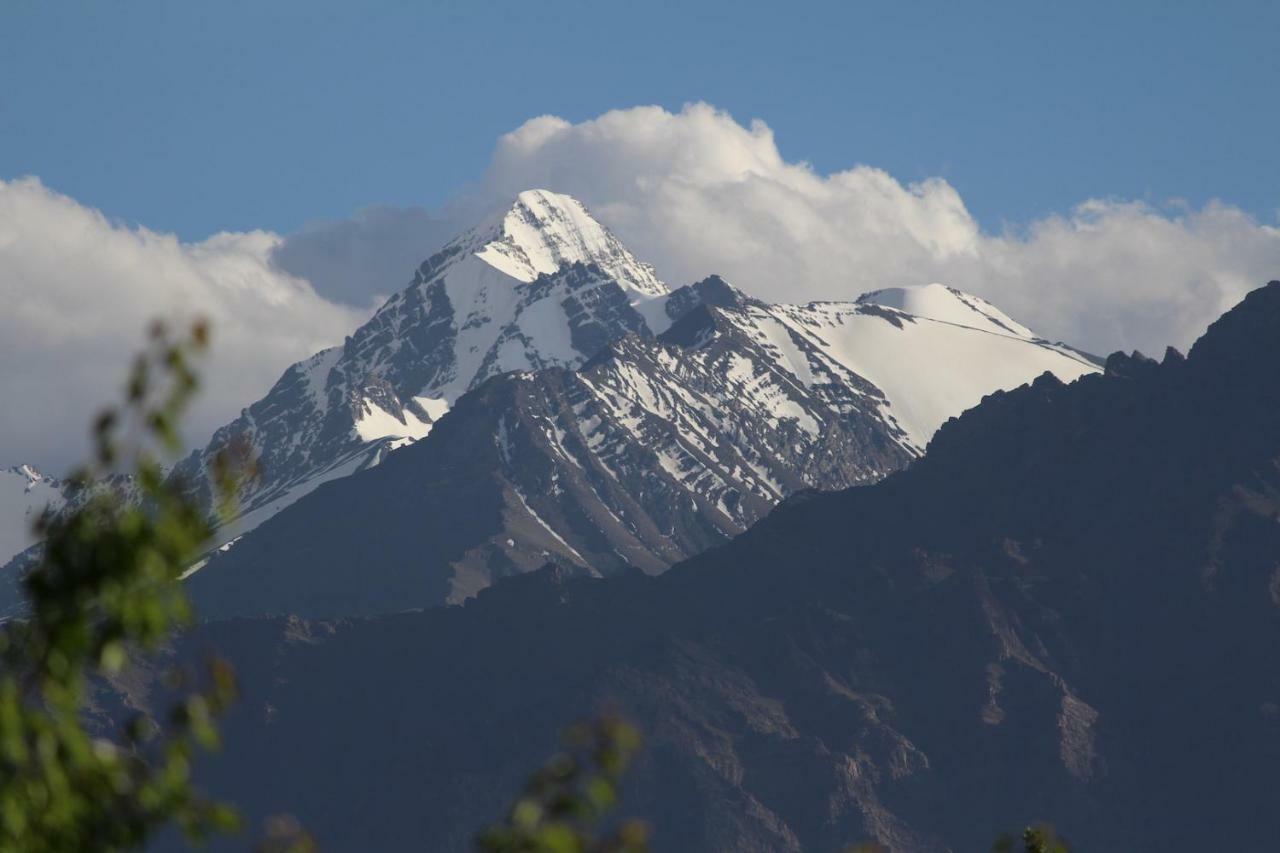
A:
x: 1114, y: 275
x: 369, y: 256
x: 695, y: 192
x: 78, y: 291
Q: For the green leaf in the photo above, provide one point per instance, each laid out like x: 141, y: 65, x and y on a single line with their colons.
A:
x: 112, y: 657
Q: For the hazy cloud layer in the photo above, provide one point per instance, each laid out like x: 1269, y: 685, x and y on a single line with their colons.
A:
x: 369, y: 256
x: 695, y: 192
x: 77, y: 292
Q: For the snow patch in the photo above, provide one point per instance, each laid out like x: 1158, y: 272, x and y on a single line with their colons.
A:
x: 929, y: 370
x: 434, y: 407
x: 376, y: 422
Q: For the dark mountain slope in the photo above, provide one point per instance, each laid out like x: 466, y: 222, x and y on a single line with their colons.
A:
x: 1069, y: 609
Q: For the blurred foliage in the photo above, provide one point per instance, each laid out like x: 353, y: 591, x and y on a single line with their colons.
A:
x: 103, y: 593
x: 283, y: 834
x: 565, y: 802
x: 1039, y: 838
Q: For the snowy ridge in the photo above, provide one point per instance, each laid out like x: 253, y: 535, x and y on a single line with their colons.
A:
x: 948, y: 305
x: 544, y: 232
x: 929, y: 369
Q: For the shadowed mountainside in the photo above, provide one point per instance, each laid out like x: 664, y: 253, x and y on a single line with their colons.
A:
x: 1068, y: 609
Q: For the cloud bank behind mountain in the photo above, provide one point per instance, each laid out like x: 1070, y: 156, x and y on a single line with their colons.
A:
x: 693, y: 192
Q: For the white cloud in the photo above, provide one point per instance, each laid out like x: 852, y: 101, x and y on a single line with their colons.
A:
x: 1114, y: 275
x: 76, y: 295
x: 692, y: 192
x: 695, y: 192
x: 369, y: 256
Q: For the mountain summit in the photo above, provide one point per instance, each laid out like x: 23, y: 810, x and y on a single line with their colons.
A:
x: 544, y: 232
x: 539, y: 284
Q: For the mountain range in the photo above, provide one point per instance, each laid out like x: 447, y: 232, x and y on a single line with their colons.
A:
x: 1065, y: 610
x: 597, y: 419
x: 895, y: 569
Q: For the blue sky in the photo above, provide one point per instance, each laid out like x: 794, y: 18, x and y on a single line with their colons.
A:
x: 1101, y: 133
x: 198, y: 117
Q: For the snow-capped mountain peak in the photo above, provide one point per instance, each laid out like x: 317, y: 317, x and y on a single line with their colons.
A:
x: 521, y: 289
x: 538, y: 284
x: 541, y: 285
x: 543, y: 232
x: 948, y: 305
